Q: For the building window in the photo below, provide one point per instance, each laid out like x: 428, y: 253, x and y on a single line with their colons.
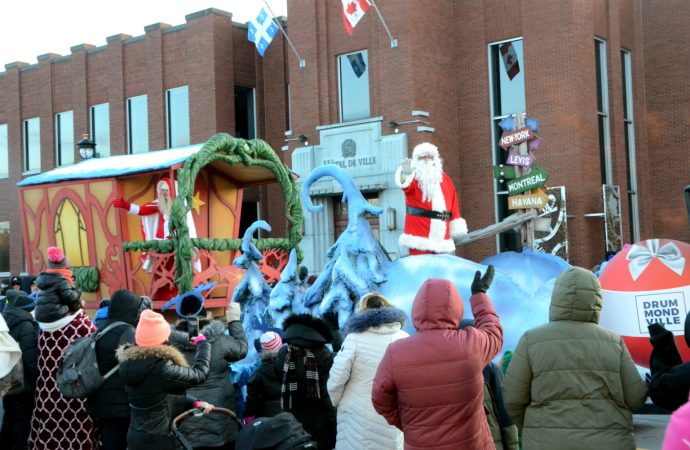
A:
x: 70, y: 233
x: 629, y: 127
x: 64, y: 137
x: 32, y: 145
x: 353, y: 81
x: 100, y: 128
x: 4, y: 248
x: 177, y: 101
x: 507, y: 72
x: 4, y: 152
x: 603, y: 112
x: 245, y: 113
x: 137, y: 124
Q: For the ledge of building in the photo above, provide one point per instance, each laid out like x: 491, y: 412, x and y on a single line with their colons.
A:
x: 47, y: 56
x: 16, y: 65
x: 206, y: 12
x: 118, y: 37
x: 81, y: 47
x: 156, y: 26
x: 182, y: 26
x: 347, y: 124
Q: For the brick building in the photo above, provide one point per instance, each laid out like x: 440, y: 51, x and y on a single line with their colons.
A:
x: 605, y: 79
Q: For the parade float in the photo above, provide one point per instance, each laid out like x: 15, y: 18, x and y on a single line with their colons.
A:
x: 72, y: 207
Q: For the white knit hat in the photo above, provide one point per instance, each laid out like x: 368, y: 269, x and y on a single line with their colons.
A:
x: 271, y: 341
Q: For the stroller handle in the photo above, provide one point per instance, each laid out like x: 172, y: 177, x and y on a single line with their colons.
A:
x: 190, y: 412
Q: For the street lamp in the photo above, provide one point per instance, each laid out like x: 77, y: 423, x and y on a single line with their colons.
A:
x: 87, y: 147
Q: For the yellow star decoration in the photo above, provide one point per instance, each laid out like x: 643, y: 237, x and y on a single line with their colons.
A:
x: 197, y: 202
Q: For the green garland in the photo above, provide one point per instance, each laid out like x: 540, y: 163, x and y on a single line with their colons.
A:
x: 232, y: 151
x: 86, y: 278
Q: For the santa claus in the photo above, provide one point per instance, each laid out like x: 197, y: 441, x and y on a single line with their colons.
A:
x: 155, y: 220
x: 433, y: 217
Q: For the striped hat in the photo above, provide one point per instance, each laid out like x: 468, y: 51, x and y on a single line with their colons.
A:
x: 271, y: 341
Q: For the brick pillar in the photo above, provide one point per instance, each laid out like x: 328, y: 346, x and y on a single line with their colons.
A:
x: 80, y: 104
x: 47, y: 115
x: 116, y: 94
x: 155, y: 84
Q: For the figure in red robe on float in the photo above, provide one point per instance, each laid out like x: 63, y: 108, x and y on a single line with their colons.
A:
x: 432, y: 219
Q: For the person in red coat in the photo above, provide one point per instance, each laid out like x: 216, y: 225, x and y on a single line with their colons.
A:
x: 430, y: 385
x: 433, y: 217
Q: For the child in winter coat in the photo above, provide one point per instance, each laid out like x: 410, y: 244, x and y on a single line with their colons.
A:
x: 59, y: 422
x: 670, y: 383
x: 263, y: 389
x: 18, y: 407
x: 369, y: 331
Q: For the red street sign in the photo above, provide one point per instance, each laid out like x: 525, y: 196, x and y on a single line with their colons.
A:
x: 516, y: 159
x: 515, y: 137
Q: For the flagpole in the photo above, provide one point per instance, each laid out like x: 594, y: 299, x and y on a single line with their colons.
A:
x: 302, y: 63
x: 394, y: 42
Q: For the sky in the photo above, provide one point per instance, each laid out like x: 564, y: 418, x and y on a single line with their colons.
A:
x: 35, y: 27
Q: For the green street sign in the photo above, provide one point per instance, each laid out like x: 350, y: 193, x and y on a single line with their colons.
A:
x: 536, y: 178
x: 503, y: 172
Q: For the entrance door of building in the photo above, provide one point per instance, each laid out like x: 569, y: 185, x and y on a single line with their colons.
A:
x: 340, y: 215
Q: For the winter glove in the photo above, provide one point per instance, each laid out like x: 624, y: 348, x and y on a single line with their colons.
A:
x: 121, y: 203
x: 233, y: 312
x: 665, y: 354
x: 406, y: 166
x: 331, y: 318
x: 482, y: 283
x: 198, y: 339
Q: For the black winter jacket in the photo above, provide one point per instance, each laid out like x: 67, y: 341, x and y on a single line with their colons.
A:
x: 24, y: 330
x: 214, y: 430
x: 263, y: 389
x: 56, y: 297
x: 670, y: 383
x: 111, y: 398
x: 317, y: 415
x: 156, y: 379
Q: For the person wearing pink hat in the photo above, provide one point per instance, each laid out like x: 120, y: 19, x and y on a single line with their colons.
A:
x: 156, y: 377
x: 678, y: 431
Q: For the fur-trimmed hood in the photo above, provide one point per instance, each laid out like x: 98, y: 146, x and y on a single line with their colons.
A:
x: 364, y: 320
x: 306, y: 331
x: 129, y: 352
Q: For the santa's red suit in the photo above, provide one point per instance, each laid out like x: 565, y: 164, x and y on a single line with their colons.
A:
x: 424, y: 234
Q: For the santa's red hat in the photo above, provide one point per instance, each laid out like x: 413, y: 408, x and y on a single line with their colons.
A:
x: 168, y: 182
x: 425, y: 149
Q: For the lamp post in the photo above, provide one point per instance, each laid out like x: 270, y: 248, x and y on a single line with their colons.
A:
x: 87, y: 147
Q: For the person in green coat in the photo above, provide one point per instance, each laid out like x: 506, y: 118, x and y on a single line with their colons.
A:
x: 572, y: 384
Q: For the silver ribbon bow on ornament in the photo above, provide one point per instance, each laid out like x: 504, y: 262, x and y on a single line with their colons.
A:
x: 640, y: 257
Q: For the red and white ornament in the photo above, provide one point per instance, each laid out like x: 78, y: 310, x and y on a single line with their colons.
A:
x: 645, y: 283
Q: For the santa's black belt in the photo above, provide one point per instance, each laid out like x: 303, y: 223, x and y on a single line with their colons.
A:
x: 442, y: 215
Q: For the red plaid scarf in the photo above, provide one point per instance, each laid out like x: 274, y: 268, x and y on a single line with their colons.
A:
x: 290, y: 378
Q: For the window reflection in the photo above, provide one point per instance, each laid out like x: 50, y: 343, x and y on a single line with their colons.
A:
x: 64, y: 137
x: 137, y: 124
x: 32, y: 144
x: 100, y: 128
x: 353, y: 77
x: 178, y: 117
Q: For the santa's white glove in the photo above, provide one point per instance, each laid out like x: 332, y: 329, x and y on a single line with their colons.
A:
x: 233, y: 312
x: 406, y: 166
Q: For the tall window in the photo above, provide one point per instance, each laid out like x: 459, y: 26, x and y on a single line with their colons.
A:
x: 629, y: 127
x: 178, y: 116
x: 5, y: 248
x: 32, y: 145
x: 100, y: 128
x: 4, y: 152
x: 603, y: 112
x: 353, y: 80
x: 137, y: 124
x: 507, y: 71
x: 245, y: 116
x: 64, y: 137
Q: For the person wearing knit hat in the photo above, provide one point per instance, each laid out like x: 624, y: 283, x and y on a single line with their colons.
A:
x: 157, y: 377
x: 18, y: 406
x: 677, y: 435
x: 271, y: 341
x: 61, y: 320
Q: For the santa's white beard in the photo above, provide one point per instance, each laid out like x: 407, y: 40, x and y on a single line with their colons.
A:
x: 164, y: 206
x: 428, y: 174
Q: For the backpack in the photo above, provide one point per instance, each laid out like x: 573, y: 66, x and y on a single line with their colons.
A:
x: 281, y: 432
x: 11, y: 366
x: 78, y: 375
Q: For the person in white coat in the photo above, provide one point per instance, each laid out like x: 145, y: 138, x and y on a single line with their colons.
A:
x: 369, y: 331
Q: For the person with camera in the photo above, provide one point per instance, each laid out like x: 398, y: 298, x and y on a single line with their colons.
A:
x: 430, y: 385
x: 156, y: 377
x: 216, y: 430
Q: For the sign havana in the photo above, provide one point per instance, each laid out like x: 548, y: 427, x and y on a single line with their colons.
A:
x: 536, y: 178
x: 528, y: 201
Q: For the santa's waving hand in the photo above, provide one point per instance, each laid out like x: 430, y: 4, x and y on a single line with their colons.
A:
x: 432, y: 219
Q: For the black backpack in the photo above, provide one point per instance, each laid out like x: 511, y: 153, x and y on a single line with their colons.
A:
x: 78, y: 375
x: 281, y: 432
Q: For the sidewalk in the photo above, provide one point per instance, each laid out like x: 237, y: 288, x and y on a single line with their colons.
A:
x: 649, y: 430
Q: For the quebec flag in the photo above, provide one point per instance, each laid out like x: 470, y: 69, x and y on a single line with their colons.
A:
x: 261, y: 31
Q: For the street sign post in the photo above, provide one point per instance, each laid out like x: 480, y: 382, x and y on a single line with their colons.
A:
x: 516, y: 159
x: 536, y: 200
x: 502, y: 172
x: 536, y: 178
x: 510, y: 138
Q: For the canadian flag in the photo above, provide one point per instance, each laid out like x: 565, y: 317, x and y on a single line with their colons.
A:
x: 353, y: 11
x: 510, y: 60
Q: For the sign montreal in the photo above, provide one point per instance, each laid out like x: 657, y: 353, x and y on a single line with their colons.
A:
x: 536, y: 178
